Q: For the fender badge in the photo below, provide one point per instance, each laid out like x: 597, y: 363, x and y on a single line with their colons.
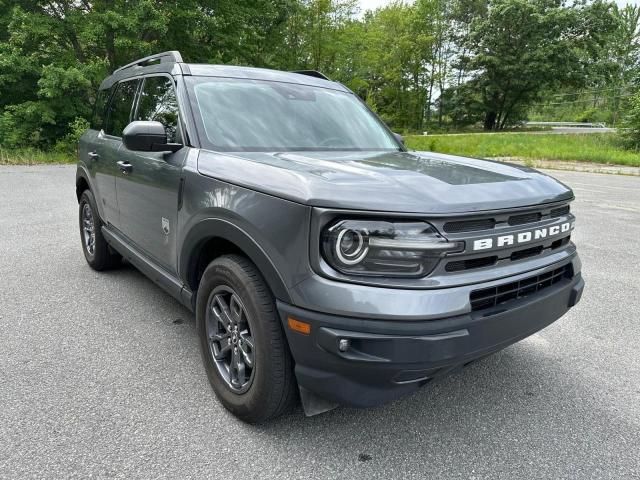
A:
x: 165, y: 225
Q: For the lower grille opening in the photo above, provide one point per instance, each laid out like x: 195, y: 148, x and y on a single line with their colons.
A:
x: 560, y: 243
x: 528, y: 252
x: 469, y: 264
x: 490, y: 297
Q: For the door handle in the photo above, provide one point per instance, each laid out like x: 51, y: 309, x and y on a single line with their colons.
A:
x: 125, y: 167
x: 93, y: 155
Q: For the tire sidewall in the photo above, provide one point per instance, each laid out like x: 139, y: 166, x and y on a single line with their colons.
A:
x: 103, y: 257
x: 245, y: 405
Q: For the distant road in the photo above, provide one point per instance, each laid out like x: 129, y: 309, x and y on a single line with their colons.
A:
x: 563, y: 130
x: 552, y: 131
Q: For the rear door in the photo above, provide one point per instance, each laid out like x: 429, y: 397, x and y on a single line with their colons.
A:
x: 148, y: 192
x: 107, y: 144
x: 92, y: 149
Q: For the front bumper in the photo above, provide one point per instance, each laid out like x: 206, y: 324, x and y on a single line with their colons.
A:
x: 388, y: 358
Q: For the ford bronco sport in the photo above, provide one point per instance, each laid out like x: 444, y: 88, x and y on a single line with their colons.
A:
x: 321, y: 258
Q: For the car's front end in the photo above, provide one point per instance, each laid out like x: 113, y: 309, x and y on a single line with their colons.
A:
x: 398, y: 300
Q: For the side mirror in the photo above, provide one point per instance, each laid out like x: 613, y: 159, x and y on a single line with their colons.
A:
x: 143, y: 136
x: 399, y: 138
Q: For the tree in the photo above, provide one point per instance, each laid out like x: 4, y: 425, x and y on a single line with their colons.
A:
x: 53, y: 54
x: 434, y: 63
x: 631, y: 125
x: 524, y: 47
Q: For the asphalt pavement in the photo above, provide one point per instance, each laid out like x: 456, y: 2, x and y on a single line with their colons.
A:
x: 100, y: 373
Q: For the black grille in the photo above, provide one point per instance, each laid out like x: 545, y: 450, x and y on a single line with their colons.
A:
x: 525, y: 218
x: 558, y: 212
x: 469, y: 225
x: 469, y: 264
x: 560, y: 243
x: 528, y: 252
x: 490, y: 297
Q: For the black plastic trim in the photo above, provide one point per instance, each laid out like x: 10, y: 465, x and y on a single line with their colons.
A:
x: 149, y: 268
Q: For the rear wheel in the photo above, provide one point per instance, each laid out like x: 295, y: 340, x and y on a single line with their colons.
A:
x: 96, y: 251
x: 244, y: 349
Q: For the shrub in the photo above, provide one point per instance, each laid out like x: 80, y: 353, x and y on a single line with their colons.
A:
x: 69, y: 142
x: 631, y: 125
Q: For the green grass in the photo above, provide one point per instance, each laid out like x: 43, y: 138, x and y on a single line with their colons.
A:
x: 597, y: 148
x: 28, y: 156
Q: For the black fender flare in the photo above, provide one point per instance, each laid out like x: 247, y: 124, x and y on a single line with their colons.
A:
x: 82, y: 176
x: 211, y: 228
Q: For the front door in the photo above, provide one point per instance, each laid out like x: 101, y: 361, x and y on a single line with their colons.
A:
x: 148, y: 192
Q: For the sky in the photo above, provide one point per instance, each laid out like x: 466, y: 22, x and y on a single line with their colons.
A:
x: 373, y: 4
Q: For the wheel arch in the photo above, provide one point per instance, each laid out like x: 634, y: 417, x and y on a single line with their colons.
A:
x: 213, y: 237
x: 82, y: 184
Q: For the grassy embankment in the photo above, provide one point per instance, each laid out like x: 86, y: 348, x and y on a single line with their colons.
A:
x: 596, y: 148
x: 33, y: 157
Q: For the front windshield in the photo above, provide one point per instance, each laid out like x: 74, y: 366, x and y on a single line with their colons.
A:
x: 253, y: 115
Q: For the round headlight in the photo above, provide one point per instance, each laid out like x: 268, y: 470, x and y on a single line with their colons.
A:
x: 372, y: 247
x: 351, y: 246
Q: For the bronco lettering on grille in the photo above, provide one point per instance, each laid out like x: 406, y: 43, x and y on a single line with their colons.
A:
x: 522, y: 237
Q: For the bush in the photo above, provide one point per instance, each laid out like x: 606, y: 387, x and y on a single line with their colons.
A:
x: 587, y: 116
x: 631, y: 124
x: 69, y: 142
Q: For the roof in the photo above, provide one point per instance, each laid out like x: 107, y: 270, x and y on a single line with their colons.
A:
x: 171, y: 63
x: 252, y: 73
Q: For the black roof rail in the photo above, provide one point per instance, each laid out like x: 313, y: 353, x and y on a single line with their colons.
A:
x: 172, y: 56
x: 312, y: 73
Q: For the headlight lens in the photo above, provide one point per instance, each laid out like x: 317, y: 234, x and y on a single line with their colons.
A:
x: 380, y: 248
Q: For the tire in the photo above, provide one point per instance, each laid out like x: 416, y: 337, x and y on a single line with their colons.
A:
x: 271, y: 388
x: 97, y: 252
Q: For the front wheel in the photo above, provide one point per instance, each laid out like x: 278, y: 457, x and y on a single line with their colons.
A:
x: 244, y: 349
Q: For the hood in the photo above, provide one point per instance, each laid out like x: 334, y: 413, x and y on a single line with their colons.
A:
x: 408, y: 182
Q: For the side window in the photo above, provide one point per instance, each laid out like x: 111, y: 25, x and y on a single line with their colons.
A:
x: 120, y: 108
x: 99, y: 109
x: 158, y: 103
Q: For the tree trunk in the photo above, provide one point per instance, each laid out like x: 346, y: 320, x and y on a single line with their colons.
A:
x: 490, y: 120
x: 110, y: 40
x: 461, y: 68
x: 430, y: 95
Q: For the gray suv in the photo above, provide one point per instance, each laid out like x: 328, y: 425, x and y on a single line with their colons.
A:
x: 322, y: 259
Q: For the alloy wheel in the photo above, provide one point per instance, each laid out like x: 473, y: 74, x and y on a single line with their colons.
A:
x: 88, y: 229
x: 231, y: 344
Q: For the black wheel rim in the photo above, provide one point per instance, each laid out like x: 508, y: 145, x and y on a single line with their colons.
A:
x: 88, y: 229
x: 231, y: 345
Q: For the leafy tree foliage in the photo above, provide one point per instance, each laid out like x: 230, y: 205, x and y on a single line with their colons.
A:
x: 420, y: 65
x: 524, y: 47
x: 53, y: 54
